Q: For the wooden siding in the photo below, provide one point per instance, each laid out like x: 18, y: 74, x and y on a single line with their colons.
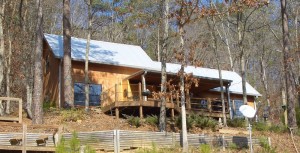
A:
x: 106, y: 75
x: 50, y: 74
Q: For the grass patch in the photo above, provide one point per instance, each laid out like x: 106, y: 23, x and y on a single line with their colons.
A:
x: 260, y: 126
x: 72, y: 146
x: 205, y: 122
x: 205, y: 148
x: 266, y: 148
x: 72, y: 115
x: 152, y: 120
x: 197, y: 121
x: 236, y: 122
x: 134, y: 121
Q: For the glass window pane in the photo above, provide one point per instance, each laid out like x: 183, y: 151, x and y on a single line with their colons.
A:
x: 94, y: 94
x: 238, y: 104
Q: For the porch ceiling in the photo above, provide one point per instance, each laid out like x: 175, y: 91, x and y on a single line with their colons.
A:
x: 154, y: 78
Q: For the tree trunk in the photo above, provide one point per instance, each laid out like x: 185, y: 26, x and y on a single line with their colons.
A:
x: 8, y: 62
x: 290, y: 89
x: 8, y: 65
x: 162, y: 119
x: 264, y: 79
x: 38, y: 73
x: 2, y: 59
x: 242, y: 56
x: 86, y: 68
x: 29, y: 101
x: 185, y: 146
x: 68, y: 85
x: 215, y: 48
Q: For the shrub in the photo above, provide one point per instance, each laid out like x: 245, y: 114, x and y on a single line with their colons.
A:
x: 72, y: 146
x: 277, y: 128
x: 47, y: 105
x: 152, y: 120
x: 134, y: 121
x: 265, y: 146
x: 205, y: 148
x: 74, y: 143
x: 189, y: 122
x: 236, y: 122
x: 72, y: 115
x: 205, y: 122
x: 232, y: 146
x: 260, y: 126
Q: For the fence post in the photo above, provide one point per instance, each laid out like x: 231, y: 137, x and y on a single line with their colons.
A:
x: 223, y: 142
x: 173, y: 139
x: 82, y: 148
x: 24, y: 141
x: 269, y: 141
x: 58, y: 135
x: 116, y: 141
x: 20, y: 110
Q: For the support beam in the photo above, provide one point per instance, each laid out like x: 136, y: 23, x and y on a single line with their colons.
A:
x: 116, y: 92
x: 141, y: 112
x: 209, y: 104
x: 117, y: 112
x: 144, y: 85
x: 172, y: 114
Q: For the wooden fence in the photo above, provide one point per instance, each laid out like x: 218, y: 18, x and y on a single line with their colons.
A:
x: 112, y: 140
x: 119, y: 140
x: 14, y: 118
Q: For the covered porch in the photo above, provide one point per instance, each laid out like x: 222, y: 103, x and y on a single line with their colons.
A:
x: 139, y: 91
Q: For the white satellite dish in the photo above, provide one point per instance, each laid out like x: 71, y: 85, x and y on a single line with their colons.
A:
x: 247, y: 111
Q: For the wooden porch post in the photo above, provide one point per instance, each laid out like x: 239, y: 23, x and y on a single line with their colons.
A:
x: 141, y: 100
x: 117, y: 112
x: 172, y: 109
x: 116, y: 102
x: 209, y: 104
x: 20, y: 110
x: 116, y: 92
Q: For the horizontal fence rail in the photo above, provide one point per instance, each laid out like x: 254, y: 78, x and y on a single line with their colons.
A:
x: 119, y: 140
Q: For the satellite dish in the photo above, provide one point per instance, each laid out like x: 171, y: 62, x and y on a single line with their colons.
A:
x: 247, y: 111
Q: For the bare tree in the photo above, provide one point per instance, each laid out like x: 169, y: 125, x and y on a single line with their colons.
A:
x: 288, y: 74
x: 38, y: 73
x: 2, y: 59
x: 213, y: 30
x: 162, y: 119
x: 8, y: 61
x: 86, y: 68
x: 67, y: 63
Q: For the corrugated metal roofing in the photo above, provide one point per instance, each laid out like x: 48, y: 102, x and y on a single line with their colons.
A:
x: 134, y: 56
x: 101, y: 52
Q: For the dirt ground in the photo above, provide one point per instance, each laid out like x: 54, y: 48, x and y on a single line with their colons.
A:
x: 97, y: 121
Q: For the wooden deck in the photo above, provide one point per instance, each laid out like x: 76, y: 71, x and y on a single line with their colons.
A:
x: 131, y: 95
x: 156, y: 104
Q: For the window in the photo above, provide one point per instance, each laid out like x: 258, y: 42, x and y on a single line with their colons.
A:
x: 236, y: 112
x: 94, y: 94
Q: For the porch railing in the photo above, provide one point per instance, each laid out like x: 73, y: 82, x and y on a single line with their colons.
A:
x: 133, y: 92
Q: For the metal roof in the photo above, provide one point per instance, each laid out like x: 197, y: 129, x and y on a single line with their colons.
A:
x: 135, y: 57
x: 101, y: 52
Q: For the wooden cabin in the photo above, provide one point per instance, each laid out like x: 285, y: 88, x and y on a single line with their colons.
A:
x: 124, y: 80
